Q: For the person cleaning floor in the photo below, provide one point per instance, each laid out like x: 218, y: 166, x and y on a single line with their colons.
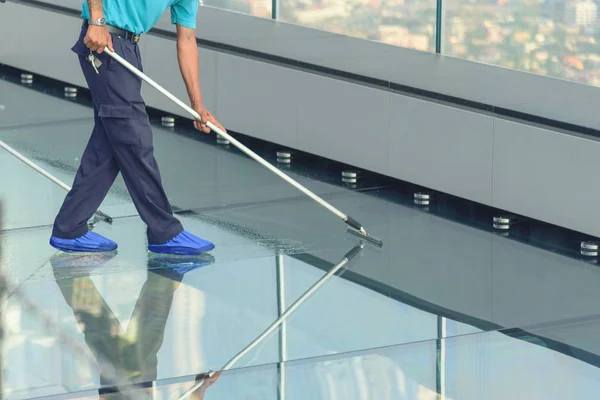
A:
x: 121, y: 140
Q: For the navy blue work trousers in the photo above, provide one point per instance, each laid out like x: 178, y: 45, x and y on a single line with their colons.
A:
x: 121, y: 141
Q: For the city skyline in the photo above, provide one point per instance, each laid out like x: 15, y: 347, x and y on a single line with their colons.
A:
x: 556, y: 38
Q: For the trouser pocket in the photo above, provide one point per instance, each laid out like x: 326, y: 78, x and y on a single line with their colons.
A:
x: 120, y: 124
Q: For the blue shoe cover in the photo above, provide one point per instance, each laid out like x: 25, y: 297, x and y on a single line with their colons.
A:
x: 90, y: 242
x: 185, y: 243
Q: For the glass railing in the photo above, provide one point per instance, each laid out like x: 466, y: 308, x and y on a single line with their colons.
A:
x: 557, y: 39
x: 553, y: 38
x: 488, y: 365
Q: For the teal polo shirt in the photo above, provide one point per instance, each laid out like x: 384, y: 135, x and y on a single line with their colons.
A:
x: 139, y: 16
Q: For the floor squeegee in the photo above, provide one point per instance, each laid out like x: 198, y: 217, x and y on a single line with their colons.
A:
x: 355, y: 227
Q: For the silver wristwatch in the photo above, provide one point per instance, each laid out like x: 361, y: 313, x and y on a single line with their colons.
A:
x: 98, y: 22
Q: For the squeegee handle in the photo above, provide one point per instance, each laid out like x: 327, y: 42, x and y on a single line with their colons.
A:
x: 225, y: 135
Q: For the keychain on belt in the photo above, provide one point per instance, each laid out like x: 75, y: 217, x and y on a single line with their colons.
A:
x: 95, y: 61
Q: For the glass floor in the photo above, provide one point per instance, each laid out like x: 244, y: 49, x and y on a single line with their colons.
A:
x: 443, y: 310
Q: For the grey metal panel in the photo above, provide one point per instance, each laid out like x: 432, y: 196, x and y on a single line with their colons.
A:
x: 343, y: 121
x: 258, y: 99
x: 546, y: 175
x: 444, y: 148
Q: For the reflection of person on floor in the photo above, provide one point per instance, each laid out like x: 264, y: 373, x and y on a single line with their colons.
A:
x: 133, y: 353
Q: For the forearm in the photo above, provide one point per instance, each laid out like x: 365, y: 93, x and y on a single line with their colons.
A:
x: 187, y: 56
x: 96, y: 10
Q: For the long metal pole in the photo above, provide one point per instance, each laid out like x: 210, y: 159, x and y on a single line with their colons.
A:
x: 349, y: 256
x: 348, y: 220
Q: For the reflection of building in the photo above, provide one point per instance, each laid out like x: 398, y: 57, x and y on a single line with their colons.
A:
x: 581, y: 12
x: 188, y: 312
x: 457, y: 31
x: 402, y: 37
x: 314, y: 13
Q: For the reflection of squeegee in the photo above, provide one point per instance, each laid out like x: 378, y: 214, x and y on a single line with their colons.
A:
x: 349, y: 256
x: 355, y: 227
x: 48, y: 175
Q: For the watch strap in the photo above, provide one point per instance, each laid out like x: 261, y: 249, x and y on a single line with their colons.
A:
x: 98, y: 22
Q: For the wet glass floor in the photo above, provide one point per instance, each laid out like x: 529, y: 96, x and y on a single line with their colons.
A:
x: 443, y: 310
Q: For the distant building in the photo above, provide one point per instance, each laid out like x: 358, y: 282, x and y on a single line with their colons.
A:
x: 581, y: 12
